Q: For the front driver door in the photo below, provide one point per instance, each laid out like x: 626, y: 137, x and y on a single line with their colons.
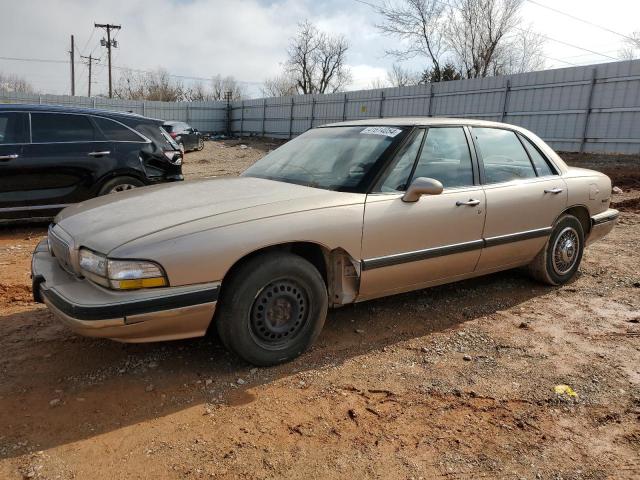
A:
x: 406, y: 246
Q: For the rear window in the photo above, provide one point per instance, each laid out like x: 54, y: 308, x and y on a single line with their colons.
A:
x: 168, y: 128
x: 60, y: 127
x: 116, y: 132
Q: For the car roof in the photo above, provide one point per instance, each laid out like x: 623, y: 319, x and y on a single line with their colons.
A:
x: 420, y: 121
x: 26, y: 107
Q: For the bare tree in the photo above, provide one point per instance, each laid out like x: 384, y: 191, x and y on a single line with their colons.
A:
x: 157, y: 85
x: 418, y: 24
x: 475, y: 31
x: 631, y: 48
x: 317, y: 61
x: 220, y: 85
x: 15, y: 84
x: 521, y: 53
x: 462, y: 38
x: 280, y: 86
x: 402, y: 77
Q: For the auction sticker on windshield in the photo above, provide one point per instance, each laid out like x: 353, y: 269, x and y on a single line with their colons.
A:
x: 386, y: 131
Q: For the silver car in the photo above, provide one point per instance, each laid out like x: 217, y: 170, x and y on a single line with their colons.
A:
x: 341, y: 214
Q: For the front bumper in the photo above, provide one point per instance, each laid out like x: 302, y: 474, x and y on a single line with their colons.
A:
x: 602, y: 224
x: 146, y: 315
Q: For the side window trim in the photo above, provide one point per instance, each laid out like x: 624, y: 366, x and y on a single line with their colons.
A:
x: 527, y: 141
x: 86, y: 115
x: 385, y: 169
x: 143, y: 139
x: 425, y: 131
x: 474, y: 168
x: 483, y: 177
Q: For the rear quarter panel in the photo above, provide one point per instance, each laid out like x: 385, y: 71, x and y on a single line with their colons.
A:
x: 588, y: 188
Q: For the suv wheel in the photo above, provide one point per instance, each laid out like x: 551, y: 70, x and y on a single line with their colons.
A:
x: 120, y: 184
x: 272, y: 309
x: 558, y: 261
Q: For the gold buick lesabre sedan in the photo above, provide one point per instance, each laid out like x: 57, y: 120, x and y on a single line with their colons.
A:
x: 343, y: 213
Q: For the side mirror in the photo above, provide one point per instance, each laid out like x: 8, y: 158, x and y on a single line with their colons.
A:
x: 422, y: 186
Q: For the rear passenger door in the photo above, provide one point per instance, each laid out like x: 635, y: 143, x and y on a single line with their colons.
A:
x: 66, y: 156
x: 524, y: 197
x: 13, y: 136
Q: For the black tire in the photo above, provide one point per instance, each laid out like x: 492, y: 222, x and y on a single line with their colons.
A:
x: 119, y: 184
x: 559, y: 260
x: 272, y: 308
x: 200, y: 144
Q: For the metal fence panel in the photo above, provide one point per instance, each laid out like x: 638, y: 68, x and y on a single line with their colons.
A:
x: 595, y: 108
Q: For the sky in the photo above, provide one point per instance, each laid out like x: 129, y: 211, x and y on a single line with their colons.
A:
x: 247, y: 39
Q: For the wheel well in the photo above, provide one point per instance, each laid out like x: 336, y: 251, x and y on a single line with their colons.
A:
x: 582, y: 214
x: 312, y: 252
x: 340, y: 272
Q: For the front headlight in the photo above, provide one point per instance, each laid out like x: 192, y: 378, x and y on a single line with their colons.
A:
x: 130, y: 274
x: 93, y: 262
x: 121, y: 274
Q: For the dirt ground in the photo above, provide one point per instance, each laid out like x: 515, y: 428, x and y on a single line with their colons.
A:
x: 456, y: 381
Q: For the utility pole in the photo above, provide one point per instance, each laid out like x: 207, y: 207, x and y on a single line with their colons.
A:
x: 109, y: 44
x: 73, y: 67
x: 90, y: 61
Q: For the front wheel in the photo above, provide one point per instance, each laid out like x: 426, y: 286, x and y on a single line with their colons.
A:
x: 558, y: 261
x: 200, y: 144
x: 272, y: 308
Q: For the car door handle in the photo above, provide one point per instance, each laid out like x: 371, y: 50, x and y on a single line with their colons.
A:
x: 5, y: 158
x: 472, y: 202
x: 553, y: 190
x: 99, y: 154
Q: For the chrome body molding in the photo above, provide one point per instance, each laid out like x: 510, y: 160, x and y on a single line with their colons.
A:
x: 602, y: 224
x: 418, y: 255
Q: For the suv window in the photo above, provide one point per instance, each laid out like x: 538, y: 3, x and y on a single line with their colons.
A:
x: 60, y: 127
x: 12, y: 128
x: 541, y: 164
x: 503, y: 155
x: 114, y: 131
x: 445, y: 157
x: 397, y: 177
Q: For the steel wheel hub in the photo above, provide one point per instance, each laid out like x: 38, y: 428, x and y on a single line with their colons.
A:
x: 122, y: 188
x: 565, y: 251
x: 279, y: 312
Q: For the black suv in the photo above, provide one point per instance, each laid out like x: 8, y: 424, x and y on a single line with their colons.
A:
x: 187, y: 136
x: 51, y: 157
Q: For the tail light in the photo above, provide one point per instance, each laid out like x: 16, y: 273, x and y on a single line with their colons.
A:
x: 173, y: 134
x: 174, y: 156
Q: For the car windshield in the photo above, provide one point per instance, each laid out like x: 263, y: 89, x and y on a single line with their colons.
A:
x: 332, y: 158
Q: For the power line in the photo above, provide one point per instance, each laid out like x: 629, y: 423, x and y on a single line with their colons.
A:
x: 119, y: 67
x: 601, y: 27
x: 516, y: 28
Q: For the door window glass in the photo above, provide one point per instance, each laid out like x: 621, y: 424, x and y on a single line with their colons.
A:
x: 116, y: 132
x: 397, y: 177
x: 60, y: 127
x: 12, y: 128
x: 541, y: 164
x: 503, y: 156
x: 446, y: 158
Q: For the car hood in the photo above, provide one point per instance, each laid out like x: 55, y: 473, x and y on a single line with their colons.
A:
x: 107, y: 222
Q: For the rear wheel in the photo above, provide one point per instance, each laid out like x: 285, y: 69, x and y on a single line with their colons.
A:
x: 272, y: 308
x: 200, y: 144
x: 120, y: 184
x: 558, y: 261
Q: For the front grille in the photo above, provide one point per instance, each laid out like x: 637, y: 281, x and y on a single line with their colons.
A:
x: 60, y: 249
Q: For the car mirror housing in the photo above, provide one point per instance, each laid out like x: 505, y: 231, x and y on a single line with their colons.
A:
x: 422, y: 186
